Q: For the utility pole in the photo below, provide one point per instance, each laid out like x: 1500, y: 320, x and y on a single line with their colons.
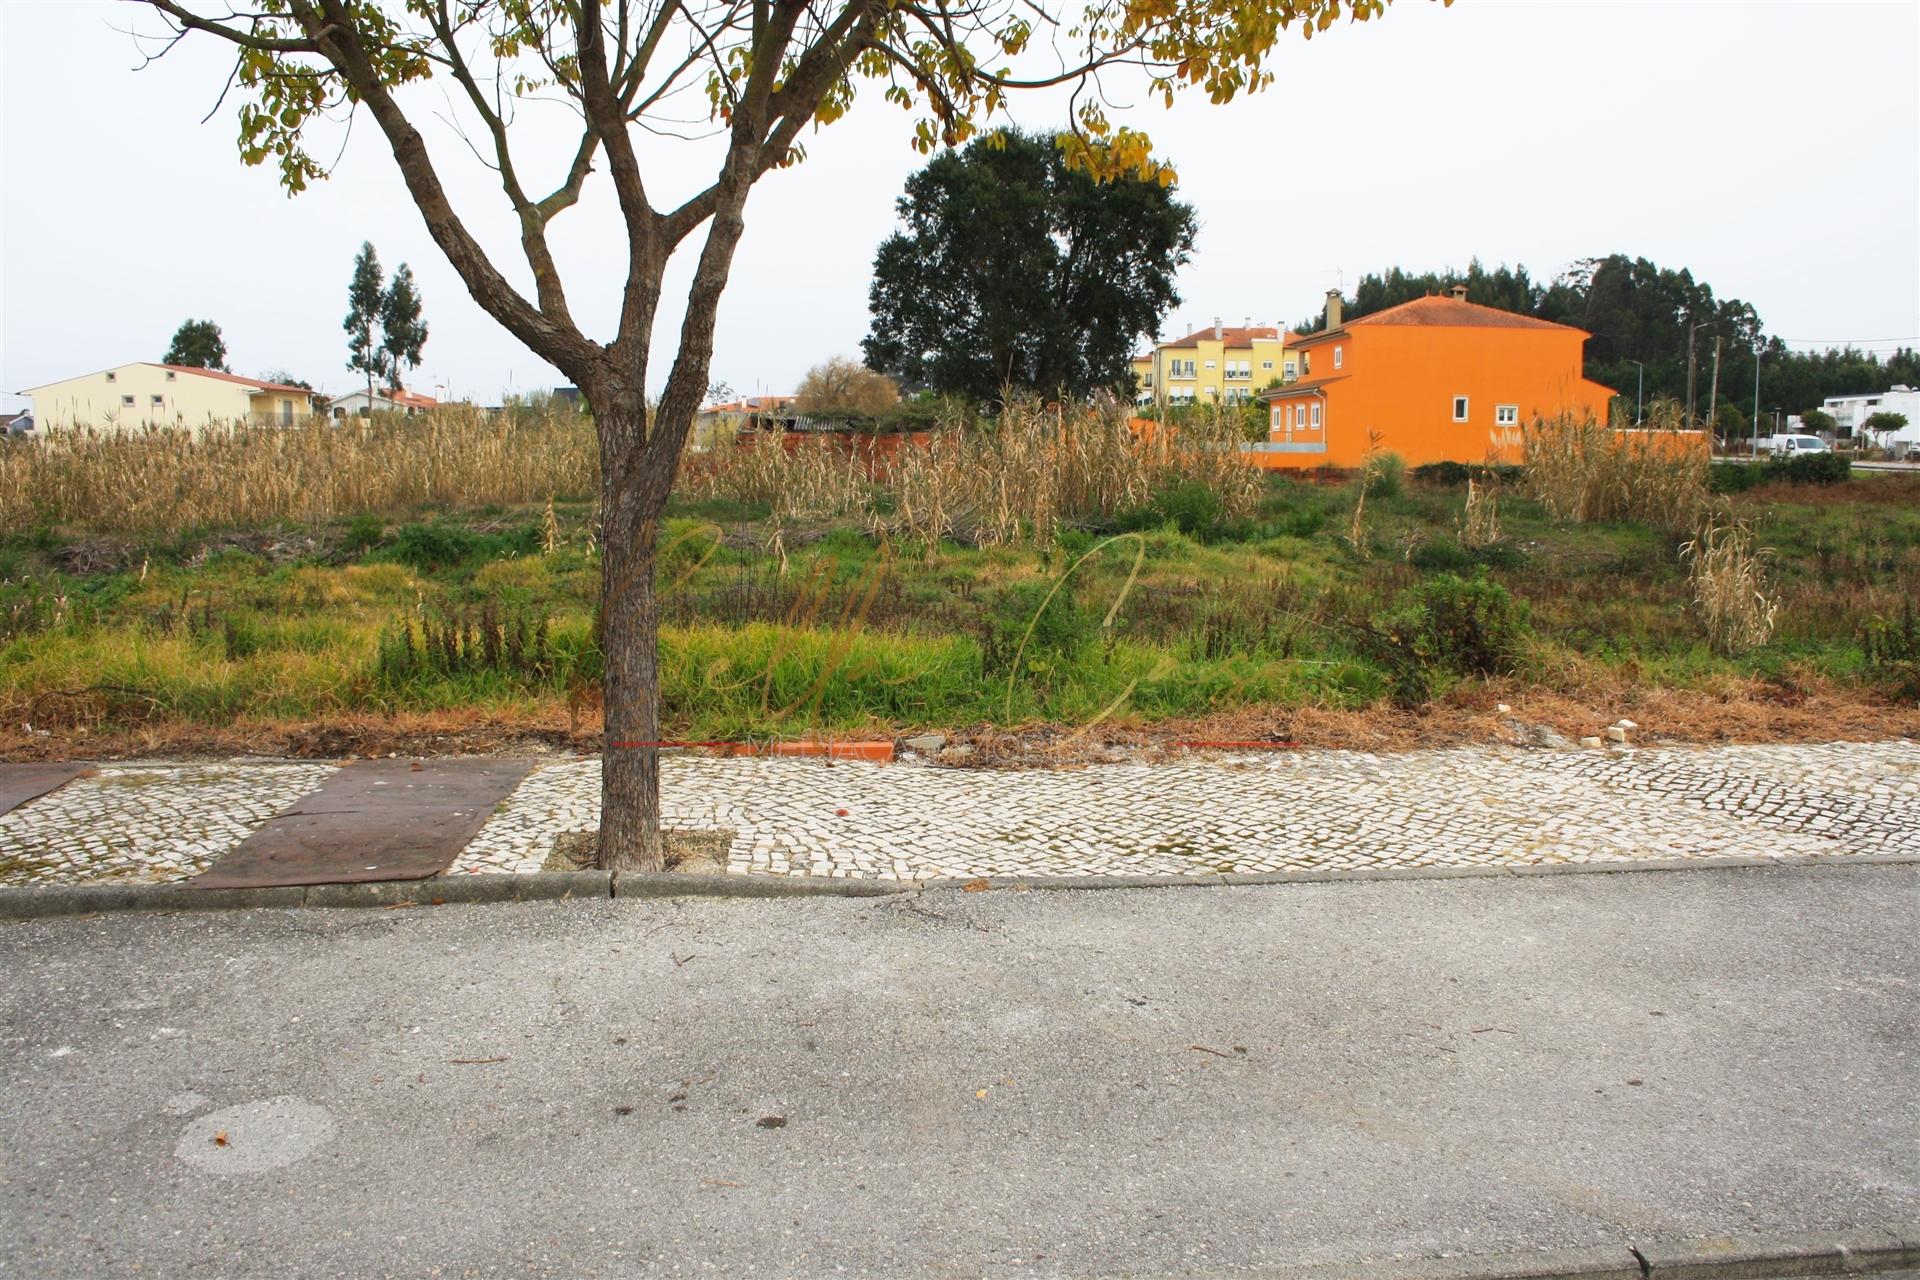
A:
x: 1713, y: 393
x: 1756, y: 401
x: 1639, y: 394
x: 1691, y: 326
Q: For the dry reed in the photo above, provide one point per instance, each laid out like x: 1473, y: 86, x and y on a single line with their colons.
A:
x: 1729, y: 580
x: 1582, y: 470
x: 1023, y: 476
x: 168, y: 478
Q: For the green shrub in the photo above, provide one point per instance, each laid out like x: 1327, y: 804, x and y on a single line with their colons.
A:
x: 1191, y: 506
x: 1812, y: 468
x: 441, y: 544
x: 1389, y: 476
x: 364, y: 533
x: 1441, y: 555
x: 1060, y: 630
x: 1891, y: 647
x: 1468, y: 626
x: 1736, y: 477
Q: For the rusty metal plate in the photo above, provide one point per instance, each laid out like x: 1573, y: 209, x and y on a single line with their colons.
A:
x: 372, y: 820
x: 20, y: 783
x: 29, y: 782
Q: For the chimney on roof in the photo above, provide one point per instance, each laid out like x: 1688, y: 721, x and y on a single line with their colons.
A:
x: 1460, y: 293
x: 1218, y: 332
x: 1333, y: 309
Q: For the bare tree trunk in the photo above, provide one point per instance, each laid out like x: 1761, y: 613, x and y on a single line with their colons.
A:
x: 630, y: 664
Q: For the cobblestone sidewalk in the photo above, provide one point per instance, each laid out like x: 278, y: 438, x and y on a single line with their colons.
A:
x: 1292, y: 811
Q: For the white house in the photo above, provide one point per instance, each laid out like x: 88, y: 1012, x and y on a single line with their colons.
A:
x: 164, y: 395
x: 355, y: 404
x: 1850, y: 412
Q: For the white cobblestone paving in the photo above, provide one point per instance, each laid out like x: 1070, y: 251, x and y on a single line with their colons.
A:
x: 147, y: 822
x: 1294, y: 811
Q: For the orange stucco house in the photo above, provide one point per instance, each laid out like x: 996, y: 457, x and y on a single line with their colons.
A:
x: 1440, y: 379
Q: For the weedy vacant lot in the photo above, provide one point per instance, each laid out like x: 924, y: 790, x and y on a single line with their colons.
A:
x: 348, y: 587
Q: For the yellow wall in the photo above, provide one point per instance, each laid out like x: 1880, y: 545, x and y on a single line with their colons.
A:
x: 184, y: 399
x: 1216, y: 378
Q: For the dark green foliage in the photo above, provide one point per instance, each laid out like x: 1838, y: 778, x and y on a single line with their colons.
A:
x: 402, y: 332
x: 240, y: 637
x: 1190, y: 506
x: 1466, y: 626
x: 1812, y: 468
x: 1806, y: 468
x: 364, y: 293
x: 1891, y: 648
x: 1735, y: 477
x: 1012, y: 271
x: 1441, y: 555
x: 464, y: 644
x: 197, y: 343
x: 443, y: 544
x: 364, y: 533
x: 1060, y: 630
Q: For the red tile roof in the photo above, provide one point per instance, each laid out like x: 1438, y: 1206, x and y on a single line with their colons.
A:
x: 1302, y: 384
x: 1231, y: 335
x: 255, y: 383
x: 1444, y: 312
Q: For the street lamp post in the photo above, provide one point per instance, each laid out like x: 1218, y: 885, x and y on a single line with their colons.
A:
x: 1639, y: 392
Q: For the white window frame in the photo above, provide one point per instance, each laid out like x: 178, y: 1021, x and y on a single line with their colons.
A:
x: 1506, y: 415
x: 1266, y: 364
x: 1212, y: 364
x: 1462, y: 409
x: 1315, y: 415
x: 1339, y: 356
x: 126, y: 402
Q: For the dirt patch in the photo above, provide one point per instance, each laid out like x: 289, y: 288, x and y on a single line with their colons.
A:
x: 701, y: 851
x: 1758, y: 711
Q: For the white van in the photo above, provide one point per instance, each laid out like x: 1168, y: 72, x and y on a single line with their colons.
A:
x: 1792, y: 446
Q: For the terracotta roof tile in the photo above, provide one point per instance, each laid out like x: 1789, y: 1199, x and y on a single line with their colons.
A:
x: 255, y: 383
x: 1231, y: 335
x: 1302, y: 384
x: 1443, y: 312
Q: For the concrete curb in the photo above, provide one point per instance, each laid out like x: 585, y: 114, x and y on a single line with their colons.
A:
x: 36, y: 901
x: 1798, y: 1257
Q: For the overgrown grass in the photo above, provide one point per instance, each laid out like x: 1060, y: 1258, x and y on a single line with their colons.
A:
x: 1131, y: 589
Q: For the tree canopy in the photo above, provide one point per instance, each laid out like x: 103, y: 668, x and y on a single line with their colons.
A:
x: 1015, y: 269
x: 402, y: 332
x: 385, y: 333
x: 197, y: 343
x: 364, y: 293
x: 629, y: 70
x: 1640, y: 312
x: 843, y: 386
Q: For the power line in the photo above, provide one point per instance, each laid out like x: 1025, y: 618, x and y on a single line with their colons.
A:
x: 1852, y: 342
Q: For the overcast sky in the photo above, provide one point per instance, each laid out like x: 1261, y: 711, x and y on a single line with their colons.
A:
x: 1774, y: 148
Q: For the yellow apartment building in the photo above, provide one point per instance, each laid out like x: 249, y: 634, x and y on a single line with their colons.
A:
x: 1216, y: 365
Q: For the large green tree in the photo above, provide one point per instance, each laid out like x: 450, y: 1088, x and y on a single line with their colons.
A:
x: 772, y: 71
x: 365, y: 292
x: 198, y: 344
x: 1016, y: 270
x: 402, y: 332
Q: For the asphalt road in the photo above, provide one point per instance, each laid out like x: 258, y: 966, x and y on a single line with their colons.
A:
x: 1174, y: 1081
